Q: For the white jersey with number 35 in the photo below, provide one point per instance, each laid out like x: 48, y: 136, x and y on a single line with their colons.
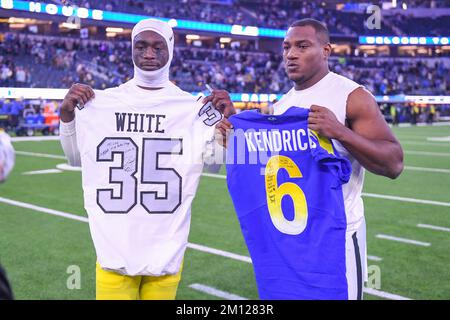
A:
x: 142, y: 157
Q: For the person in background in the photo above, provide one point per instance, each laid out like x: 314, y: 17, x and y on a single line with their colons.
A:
x: 431, y: 114
x: 342, y: 110
x: 7, y: 160
x: 16, y: 108
x: 394, y: 115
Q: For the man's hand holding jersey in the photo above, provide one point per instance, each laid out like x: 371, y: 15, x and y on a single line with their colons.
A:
x: 221, y: 101
x: 78, y: 94
x: 223, y: 129
x: 323, y: 121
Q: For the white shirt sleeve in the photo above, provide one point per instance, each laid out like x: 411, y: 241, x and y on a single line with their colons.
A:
x: 68, y: 136
x: 213, y: 157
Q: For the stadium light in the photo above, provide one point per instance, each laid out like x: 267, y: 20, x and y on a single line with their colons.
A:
x: 17, y: 25
x: 192, y: 37
x: 68, y: 25
x: 263, y: 97
x: 414, y: 40
x: 58, y: 94
x: 244, y: 30
x: 274, y: 97
x: 113, y: 29
x: 17, y: 20
x: 173, y: 23
x: 94, y: 14
x: 8, y: 4
x: 426, y: 41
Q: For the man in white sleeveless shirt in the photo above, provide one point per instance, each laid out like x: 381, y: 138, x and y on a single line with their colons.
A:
x: 342, y: 110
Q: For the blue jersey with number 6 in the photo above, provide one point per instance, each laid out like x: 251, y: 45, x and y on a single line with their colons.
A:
x: 286, y: 185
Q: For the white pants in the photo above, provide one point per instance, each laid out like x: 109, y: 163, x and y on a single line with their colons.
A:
x: 356, y: 261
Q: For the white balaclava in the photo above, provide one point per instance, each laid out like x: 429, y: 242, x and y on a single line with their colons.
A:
x: 160, y: 77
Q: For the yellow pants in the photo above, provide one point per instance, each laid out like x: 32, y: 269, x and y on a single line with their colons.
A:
x: 114, y: 286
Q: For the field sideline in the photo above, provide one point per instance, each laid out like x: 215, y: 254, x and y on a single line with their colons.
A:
x: 43, y: 228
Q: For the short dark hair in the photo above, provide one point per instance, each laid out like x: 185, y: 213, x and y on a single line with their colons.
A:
x: 321, y: 29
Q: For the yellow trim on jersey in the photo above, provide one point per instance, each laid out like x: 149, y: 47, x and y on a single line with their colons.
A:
x: 114, y: 286
x: 325, y: 143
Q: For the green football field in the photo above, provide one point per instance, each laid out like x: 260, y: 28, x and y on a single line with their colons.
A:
x: 408, y: 228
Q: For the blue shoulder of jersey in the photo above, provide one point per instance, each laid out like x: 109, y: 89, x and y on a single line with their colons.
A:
x: 322, y: 149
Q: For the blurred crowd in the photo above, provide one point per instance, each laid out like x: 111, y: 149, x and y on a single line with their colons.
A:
x: 262, y: 13
x: 53, y: 62
x: 428, y: 4
x: 397, y: 76
x: 27, y: 117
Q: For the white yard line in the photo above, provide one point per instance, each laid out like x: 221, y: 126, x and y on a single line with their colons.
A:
x: 428, y: 144
x: 374, y: 195
x: 57, y: 138
x: 40, y: 155
x: 193, y: 246
x: 437, y: 170
x: 42, y: 172
x: 371, y: 195
x: 215, y: 292
x: 220, y: 176
x: 439, y: 139
x: 218, y: 252
x: 67, y: 167
x: 230, y: 296
x: 71, y: 216
x: 422, y: 124
x: 44, y: 138
x: 427, y: 226
x: 64, y: 166
x: 381, y: 196
x: 408, y: 136
x: 212, y: 175
x: 404, y: 199
x: 408, y: 241
x: 44, y: 210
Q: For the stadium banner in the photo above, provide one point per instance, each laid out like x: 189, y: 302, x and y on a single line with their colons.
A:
x: 389, y: 40
x: 101, y: 15
x: 251, y: 31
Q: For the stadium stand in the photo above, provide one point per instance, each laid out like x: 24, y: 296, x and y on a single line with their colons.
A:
x: 261, y: 14
x: 45, y: 54
x: 103, y: 64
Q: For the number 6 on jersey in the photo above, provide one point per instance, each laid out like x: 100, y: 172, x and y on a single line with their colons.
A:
x: 276, y: 193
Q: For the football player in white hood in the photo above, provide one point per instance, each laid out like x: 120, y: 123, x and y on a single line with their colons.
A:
x: 140, y: 251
